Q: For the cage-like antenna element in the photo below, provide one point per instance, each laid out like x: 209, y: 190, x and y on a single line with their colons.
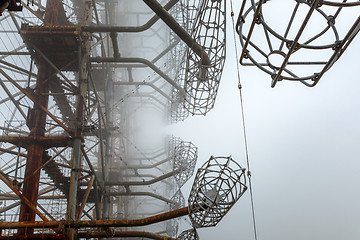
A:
x: 202, y: 79
x: 173, y: 143
x: 172, y: 226
x: 185, y: 158
x: 178, y: 107
x: 190, y: 234
x: 185, y: 15
x: 300, y: 45
x: 218, y: 184
x: 179, y: 198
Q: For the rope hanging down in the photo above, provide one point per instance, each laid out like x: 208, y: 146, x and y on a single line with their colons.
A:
x: 243, y: 123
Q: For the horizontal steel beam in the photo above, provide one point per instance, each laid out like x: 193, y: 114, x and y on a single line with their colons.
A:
x: 8, y: 196
x: 43, y: 236
x: 149, y: 194
x: 146, y: 84
x: 181, y: 32
x: 141, y: 28
x: 123, y: 234
x: 143, y: 61
x: 143, y: 166
x: 106, y: 28
x: 14, y: 53
x: 47, y: 141
x: 141, y: 183
x: 98, y: 223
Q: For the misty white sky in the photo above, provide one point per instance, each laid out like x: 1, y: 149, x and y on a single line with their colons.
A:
x: 304, y: 149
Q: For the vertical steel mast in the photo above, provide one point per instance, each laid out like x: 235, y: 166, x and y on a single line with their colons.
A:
x: 36, y: 121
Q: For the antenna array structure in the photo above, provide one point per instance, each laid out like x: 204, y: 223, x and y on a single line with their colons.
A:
x: 86, y: 88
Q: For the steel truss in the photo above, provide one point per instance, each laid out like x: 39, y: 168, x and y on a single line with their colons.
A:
x: 82, y: 83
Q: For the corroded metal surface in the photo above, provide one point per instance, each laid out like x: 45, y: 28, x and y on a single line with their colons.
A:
x: 98, y: 223
x: 125, y: 234
x: 78, y: 88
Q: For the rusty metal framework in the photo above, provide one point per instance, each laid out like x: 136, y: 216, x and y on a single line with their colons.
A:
x: 84, y: 86
x: 208, y: 200
x: 292, y: 48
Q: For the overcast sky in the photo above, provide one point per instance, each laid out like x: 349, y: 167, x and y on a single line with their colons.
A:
x: 304, y: 149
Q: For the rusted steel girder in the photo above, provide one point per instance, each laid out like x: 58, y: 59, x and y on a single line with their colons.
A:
x: 12, y: 152
x: 45, y: 141
x: 124, y: 234
x: 85, y: 198
x: 44, y: 236
x: 8, y: 196
x: 104, y: 28
x: 55, y: 13
x: 3, y: 6
x: 35, y: 150
x: 98, y: 223
x: 162, y: 13
x: 36, y: 122
x: 10, y: 5
x: 87, y: 235
x: 181, y: 32
x: 24, y: 200
x: 33, y: 99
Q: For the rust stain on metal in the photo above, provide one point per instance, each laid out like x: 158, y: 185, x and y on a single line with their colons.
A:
x: 35, y: 150
x: 124, y: 234
x: 99, y: 223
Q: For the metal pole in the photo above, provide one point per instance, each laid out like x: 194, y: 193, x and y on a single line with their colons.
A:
x: 124, y: 234
x: 98, y: 223
x: 182, y: 33
x: 77, y: 135
x: 36, y: 123
x: 142, y: 183
x: 140, y: 60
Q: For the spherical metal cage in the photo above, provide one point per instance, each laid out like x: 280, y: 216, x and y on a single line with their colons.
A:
x: 190, y: 234
x: 218, y: 184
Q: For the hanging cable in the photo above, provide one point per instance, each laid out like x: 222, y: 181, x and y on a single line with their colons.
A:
x: 243, y: 122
